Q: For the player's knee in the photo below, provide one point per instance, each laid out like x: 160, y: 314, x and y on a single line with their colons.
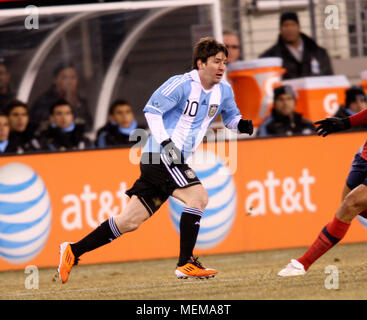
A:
x: 351, y: 206
x: 200, y: 201
x: 126, y: 224
x: 132, y: 226
x: 129, y: 226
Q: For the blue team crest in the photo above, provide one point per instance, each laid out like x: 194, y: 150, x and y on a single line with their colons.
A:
x: 213, y: 110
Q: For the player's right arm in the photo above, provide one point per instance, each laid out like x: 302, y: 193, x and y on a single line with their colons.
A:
x: 231, y: 115
x: 359, y: 118
x: 164, y: 99
x: 331, y: 125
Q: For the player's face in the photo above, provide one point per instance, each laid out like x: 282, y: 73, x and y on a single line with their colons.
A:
x: 212, y: 71
x: 62, y: 116
x: 285, y: 104
x: 18, y: 119
x: 123, y: 115
x: 290, y: 31
x: 4, y: 128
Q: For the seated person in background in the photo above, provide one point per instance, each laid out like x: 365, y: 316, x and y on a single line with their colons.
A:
x: 63, y: 133
x: 121, y: 124
x: 301, y: 55
x: 5, y: 92
x: 22, y: 133
x: 284, y: 121
x: 355, y: 101
x: 232, y: 42
x: 65, y: 86
x: 6, y: 144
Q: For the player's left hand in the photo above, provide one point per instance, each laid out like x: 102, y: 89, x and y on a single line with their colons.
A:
x: 331, y: 125
x: 245, y: 126
x: 173, y: 154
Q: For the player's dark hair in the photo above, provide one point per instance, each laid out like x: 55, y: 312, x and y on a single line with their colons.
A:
x: 59, y: 102
x: 14, y: 103
x: 205, y: 48
x: 116, y: 103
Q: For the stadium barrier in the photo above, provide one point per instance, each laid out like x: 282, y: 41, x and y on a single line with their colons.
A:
x: 264, y: 194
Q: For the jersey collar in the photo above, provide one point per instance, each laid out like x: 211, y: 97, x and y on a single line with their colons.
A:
x: 195, y: 76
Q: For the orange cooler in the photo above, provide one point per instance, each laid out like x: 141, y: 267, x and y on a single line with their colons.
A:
x: 253, y: 82
x: 363, y: 82
x: 319, y: 97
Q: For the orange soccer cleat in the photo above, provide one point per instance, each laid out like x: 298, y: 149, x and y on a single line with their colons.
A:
x: 194, y: 269
x: 67, y: 261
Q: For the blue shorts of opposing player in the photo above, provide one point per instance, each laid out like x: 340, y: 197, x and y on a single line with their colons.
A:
x: 358, y: 172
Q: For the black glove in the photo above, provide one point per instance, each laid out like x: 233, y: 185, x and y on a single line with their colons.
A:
x: 173, y: 154
x: 330, y: 125
x: 245, y: 126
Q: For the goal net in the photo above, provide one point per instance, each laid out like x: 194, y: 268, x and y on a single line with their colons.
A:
x: 120, y: 50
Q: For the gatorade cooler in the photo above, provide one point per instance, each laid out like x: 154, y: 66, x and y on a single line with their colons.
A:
x: 363, y: 82
x: 319, y: 97
x: 253, y: 82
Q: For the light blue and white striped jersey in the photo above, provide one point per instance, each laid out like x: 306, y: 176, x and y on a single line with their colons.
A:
x: 188, y: 110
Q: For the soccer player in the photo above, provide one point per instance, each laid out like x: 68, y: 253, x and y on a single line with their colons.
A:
x: 178, y: 114
x: 354, y: 198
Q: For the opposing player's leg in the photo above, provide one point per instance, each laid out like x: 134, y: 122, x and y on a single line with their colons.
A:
x: 195, y: 199
x: 353, y: 204
x: 129, y: 220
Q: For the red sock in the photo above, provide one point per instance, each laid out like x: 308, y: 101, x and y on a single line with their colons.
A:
x: 334, y: 231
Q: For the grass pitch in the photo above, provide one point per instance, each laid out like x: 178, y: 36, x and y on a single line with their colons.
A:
x: 241, y: 276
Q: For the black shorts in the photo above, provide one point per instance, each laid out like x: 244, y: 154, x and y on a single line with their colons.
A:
x: 157, y: 181
x: 358, y: 172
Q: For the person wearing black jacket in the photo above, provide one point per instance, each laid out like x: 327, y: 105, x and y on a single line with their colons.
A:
x: 284, y: 121
x: 121, y: 128
x: 302, y: 56
x: 63, y: 133
x: 22, y: 132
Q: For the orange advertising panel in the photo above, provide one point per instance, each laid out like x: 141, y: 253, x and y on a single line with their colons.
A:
x: 290, y: 186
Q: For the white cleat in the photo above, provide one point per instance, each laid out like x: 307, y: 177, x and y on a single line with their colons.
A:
x: 294, y: 268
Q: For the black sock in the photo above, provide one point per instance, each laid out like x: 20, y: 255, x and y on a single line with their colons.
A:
x: 102, y: 235
x: 189, y: 229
